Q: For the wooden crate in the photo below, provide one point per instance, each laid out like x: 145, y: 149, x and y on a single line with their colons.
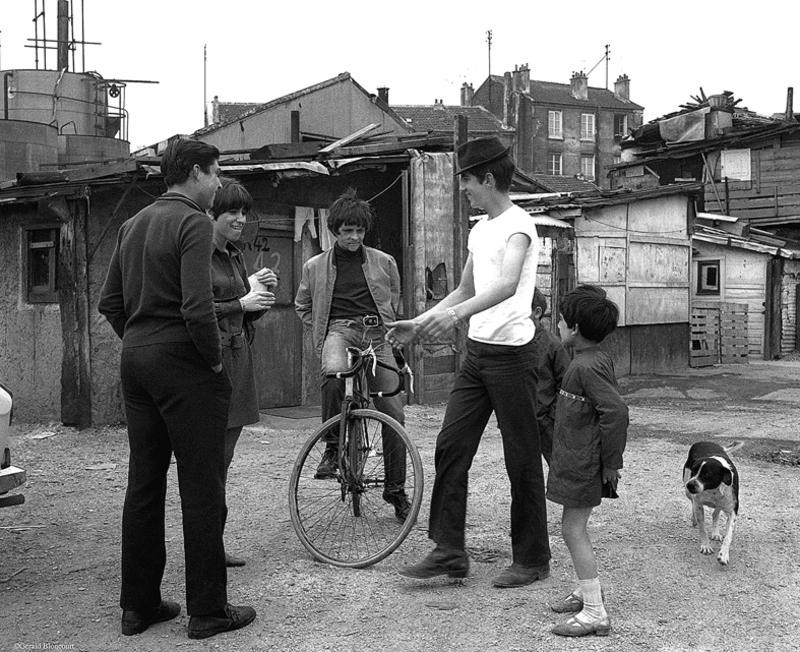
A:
x: 718, y: 334
x: 734, y: 346
x: 704, y: 337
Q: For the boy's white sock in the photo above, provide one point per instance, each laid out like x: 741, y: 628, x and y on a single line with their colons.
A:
x: 593, y: 608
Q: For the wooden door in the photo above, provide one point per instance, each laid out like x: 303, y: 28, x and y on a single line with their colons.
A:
x: 278, y: 345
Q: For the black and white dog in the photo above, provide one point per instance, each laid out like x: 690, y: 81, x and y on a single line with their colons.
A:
x: 711, y: 480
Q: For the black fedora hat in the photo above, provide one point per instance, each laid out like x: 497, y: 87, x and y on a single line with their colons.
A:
x: 478, y: 152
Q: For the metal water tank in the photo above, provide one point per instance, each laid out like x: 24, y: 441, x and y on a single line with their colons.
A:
x: 26, y: 147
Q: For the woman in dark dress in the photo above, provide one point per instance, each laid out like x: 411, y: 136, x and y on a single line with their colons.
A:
x: 237, y: 306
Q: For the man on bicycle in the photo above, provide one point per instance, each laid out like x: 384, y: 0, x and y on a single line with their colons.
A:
x: 346, y: 295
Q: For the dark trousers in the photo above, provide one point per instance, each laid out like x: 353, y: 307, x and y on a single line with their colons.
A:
x: 174, y: 403
x: 231, y: 437
x: 500, y: 379
x: 347, y: 332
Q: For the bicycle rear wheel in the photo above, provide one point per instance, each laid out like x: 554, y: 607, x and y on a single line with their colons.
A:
x: 355, y: 527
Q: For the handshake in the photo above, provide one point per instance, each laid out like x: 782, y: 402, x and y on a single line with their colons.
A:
x: 261, y: 295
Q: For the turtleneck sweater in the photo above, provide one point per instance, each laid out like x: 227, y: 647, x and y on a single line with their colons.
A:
x: 351, y: 296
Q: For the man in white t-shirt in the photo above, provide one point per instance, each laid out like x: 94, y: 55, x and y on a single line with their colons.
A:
x: 497, y: 375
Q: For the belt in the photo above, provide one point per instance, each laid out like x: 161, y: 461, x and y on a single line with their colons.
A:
x: 233, y: 340
x: 368, y: 321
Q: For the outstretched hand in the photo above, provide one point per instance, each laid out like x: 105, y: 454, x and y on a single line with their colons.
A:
x: 401, y: 332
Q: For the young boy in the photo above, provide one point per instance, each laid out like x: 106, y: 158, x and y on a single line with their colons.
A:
x: 492, y: 300
x: 552, y: 361
x: 589, y: 439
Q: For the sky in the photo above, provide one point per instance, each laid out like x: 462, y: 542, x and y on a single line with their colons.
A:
x: 422, y: 50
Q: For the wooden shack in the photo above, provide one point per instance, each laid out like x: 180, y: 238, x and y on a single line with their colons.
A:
x: 637, y: 246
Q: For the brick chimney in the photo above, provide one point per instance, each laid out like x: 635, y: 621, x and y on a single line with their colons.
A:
x: 622, y: 88
x: 383, y: 94
x: 215, y: 110
x: 467, y: 93
x: 580, y: 85
x: 522, y: 78
x: 438, y: 105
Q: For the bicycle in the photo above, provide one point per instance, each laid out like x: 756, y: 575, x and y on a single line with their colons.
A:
x: 345, y: 520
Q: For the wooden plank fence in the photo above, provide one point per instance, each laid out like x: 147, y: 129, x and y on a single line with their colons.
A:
x: 718, y: 334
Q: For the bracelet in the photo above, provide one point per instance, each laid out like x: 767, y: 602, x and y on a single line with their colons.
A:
x: 456, y: 319
x: 241, y: 303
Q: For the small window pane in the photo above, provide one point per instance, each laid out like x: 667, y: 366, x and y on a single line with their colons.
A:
x: 42, y: 265
x: 708, y: 277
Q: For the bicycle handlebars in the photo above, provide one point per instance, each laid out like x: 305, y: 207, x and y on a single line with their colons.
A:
x: 360, y: 357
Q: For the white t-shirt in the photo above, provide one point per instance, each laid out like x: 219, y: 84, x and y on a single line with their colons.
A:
x: 509, y: 322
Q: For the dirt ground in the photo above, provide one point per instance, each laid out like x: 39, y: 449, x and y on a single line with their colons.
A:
x: 59, y: 552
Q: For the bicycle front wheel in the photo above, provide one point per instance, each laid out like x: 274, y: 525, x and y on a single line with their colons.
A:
x: 357, y: 518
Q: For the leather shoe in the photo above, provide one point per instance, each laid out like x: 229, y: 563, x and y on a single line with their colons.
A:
x: 230, y: 561
x: 329, y: 464
x: 575, y: 627
x: 519, y: 575
x: 399, y: 500
x: 135, y: 622
x: 230, y: 619
x: 441, y: 561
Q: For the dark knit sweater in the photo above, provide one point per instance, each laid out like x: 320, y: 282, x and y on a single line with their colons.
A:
x: 351, y: 295
x: 158, y: 286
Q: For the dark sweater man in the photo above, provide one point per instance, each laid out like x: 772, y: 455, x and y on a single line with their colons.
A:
x: 162, y: 260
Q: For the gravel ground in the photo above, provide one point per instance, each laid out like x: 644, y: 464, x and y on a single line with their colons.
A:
x: 59, y: 565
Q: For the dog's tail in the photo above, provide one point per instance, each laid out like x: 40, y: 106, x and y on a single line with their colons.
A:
x: 734, y: 446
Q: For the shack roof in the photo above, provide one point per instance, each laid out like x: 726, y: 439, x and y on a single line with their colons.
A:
x: 440, y: 117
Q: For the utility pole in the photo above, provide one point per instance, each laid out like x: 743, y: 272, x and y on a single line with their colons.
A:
x: 205, y: 103
x: 608, y: 56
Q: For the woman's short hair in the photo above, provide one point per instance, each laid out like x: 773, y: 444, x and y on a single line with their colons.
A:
x: 231, y: 197
x: 502, y: 170
x: 594, y: 313
x: 349, y: 210
x: 181, y: 155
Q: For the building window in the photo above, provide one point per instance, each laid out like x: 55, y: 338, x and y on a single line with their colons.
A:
x: 42, y: 265
x: 617, y: 159
x: 554, y: 164
x: 708, y: 277
x: 620, y: 126
x: 554, y: 129
x: 587, y: 126
x: 587, y: 167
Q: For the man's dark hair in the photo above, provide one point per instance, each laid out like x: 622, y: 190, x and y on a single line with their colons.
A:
x: 594, y: 313
x: 539, y: 301
x: 181, y: 155
x: 349, y: 210
x: 502, y: 170
x: 231, y: 197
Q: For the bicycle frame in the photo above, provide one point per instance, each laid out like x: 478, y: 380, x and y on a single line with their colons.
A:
x: 353, y: 452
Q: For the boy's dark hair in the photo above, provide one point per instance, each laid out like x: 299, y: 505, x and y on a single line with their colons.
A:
x: 349, y: 210
x: 502, y: 170
x: 539, y: 301
x: 181, y: 155
x: 231, y: 197
x: 589, y: 308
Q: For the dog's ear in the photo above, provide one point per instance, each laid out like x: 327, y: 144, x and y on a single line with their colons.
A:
x: 727, y: 476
